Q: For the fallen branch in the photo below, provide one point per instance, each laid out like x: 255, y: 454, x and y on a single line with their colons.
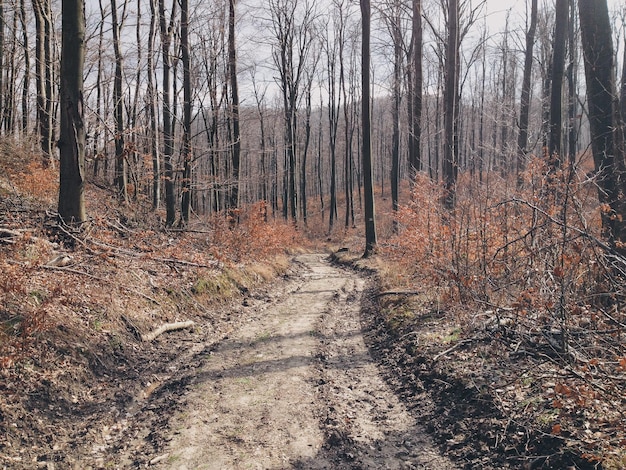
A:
x: 181, y: 325
x: 398, y: 292
x: 456, y: 346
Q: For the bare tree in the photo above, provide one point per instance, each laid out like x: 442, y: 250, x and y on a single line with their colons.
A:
x: 368, y: 186
x: 234, y: 105
x: 43, y: 75
x: 558, y: 72
x: 187, y: 106
x: 595, y: 28
x: 121, y: 172
x: 522, y: 137
x: 166, y: 32
x: 293, y: 39
x: 152, y: 114
x: 415, y: 90
x: 72, y: 135
x: 450, y: 164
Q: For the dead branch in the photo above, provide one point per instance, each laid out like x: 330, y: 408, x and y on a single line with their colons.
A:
x: 165, y: 328
x: 398, y: 292
x: 456, y: 346
x: 8, y: 235
x: 215, y: 264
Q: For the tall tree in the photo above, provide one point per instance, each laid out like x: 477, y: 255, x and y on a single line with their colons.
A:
x: 187, y: 106
x: 293, y: 36
x: 558, y: 73
x: 415, y: 91
x: 332, y: 47
x: 43, y: 75
x: 72, y: 134
x: 595, y: 29
x: 152, y: 114
x: 234, y: 104
x: 451, y: 79
x: 26, y: 82
x: 166, y: 32
x: 368, y: 183
x: 524, y: 113
x: 121, y: 171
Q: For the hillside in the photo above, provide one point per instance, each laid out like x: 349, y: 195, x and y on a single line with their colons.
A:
x: 106, y: 332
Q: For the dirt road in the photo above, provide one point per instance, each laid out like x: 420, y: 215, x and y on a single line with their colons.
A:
x: 295, y: 387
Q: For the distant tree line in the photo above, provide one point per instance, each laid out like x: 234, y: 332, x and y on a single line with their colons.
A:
x: 203, y: 107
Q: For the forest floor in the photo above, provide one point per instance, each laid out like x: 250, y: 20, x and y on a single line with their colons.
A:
x: 294, y: 360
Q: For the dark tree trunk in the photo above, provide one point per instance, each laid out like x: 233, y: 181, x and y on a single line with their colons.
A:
x: 558, y: 72
x: 234, y: 90
x: 187, y: 105
x: 522, y: 138
x: 368, y: 186
x: 26, y: 83
x: 595, y: 28
x: 118, y: 104
x: 72, y: 138
x: 152, y: 115
x: 450, y: 164
x: 415, y: 102
x: 168, y: 137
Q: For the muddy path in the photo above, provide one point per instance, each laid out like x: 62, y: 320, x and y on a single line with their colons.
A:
x: 293, y: 387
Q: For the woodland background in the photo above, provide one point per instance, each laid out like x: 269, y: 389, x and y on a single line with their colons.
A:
x: 236, y: 130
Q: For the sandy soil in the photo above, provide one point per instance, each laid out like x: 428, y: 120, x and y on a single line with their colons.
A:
x: 293, y: 387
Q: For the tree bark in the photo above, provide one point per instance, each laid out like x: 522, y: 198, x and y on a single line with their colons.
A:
x: 187, y: 105
x: 72, y: 139
x: 234, y: 91
x: 558, y: 72
x: 450, y: 164
x: 168, y: 137
x: 595, y: 28
x: 121, y: 176
x: 368, y: 186
x: 522, y: 137
x: 43, y: 76
x: 415, y: 103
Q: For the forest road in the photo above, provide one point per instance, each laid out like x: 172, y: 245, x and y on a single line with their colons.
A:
x: 295, y: 388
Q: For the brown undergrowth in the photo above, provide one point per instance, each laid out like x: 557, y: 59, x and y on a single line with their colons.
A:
x: 508, y: 313
x: 75, y: 305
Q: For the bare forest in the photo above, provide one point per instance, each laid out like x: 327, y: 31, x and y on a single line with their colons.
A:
x: 412, y: 211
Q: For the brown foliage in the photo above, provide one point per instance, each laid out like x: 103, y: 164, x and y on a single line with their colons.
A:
x: 526, y: 269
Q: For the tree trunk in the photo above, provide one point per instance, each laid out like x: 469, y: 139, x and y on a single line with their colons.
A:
x: 26, y: 83
x: 187, y: 105
x: 234, y: 90
x: 154, y: 133
x: 415, y: 103
x: 450, y: 165
x: 522, y: 137
x: 168, y: 137
x: 396, y: 34
x: 368, y: 186
x: 558, y: 72
x: 595, y: 28
x: 72, y: 138
x: 43, y: 76
x: 121, y: 176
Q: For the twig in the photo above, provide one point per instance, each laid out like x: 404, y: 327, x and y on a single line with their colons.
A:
x: 216, y: 264
x: 449, y: 350
x: 165, y: 328
x: 398, y: 292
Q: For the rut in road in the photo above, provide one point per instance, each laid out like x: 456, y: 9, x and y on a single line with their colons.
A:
x: 295, y: 387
